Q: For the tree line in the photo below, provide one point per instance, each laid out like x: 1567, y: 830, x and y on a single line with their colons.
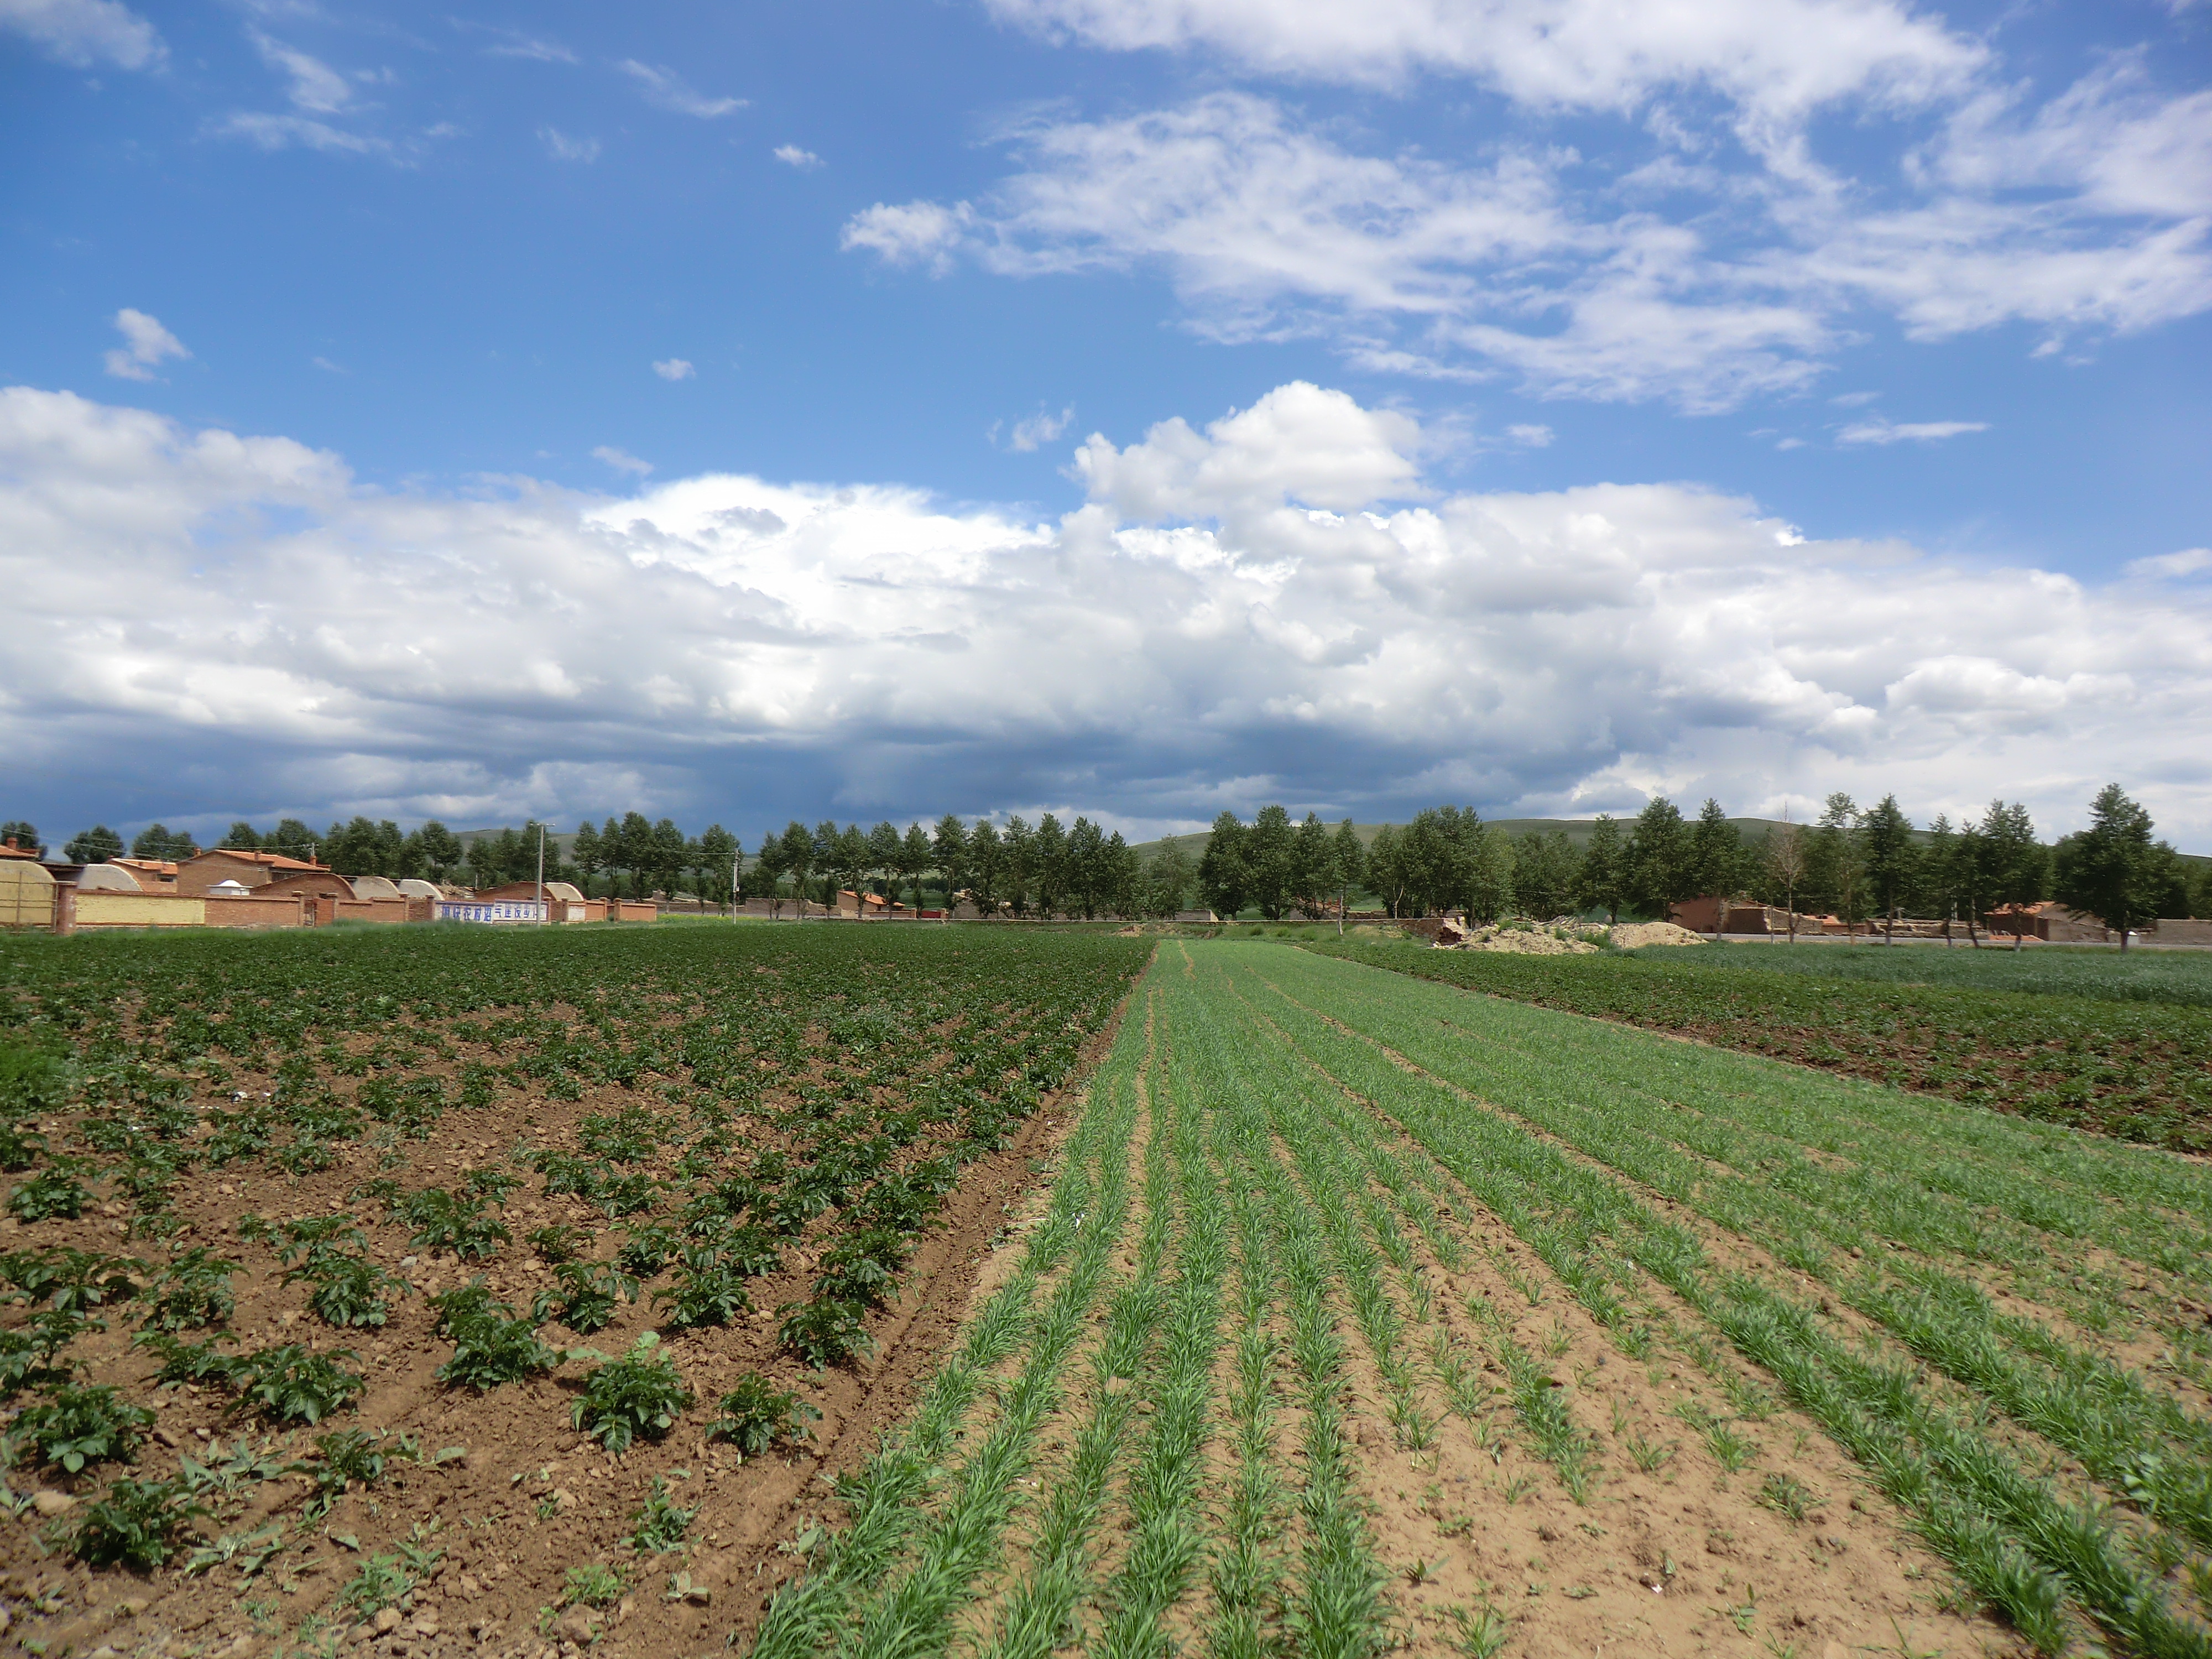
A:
x: 1859, y: 864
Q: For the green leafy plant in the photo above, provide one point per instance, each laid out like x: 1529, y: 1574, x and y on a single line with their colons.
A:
x: 555, y: 1244
x: 1787, y: 1496
x: 350, y: 1290
x: 660, y: 1523
x: 132, y: 1523
x: 648, y: 1248
x: 70, y: 1280
x: 588, y: 1295
x: 492, y: 1344
x: 594, y: 1584
x: 452, y: 1222
x: 344, y: 1458
x: 755, y: 1414
x: 824, y: 1333
x: 71, y: 1426
x: 639, y: 1395
x: 863, y: 1267
x: 707, y: 1291
x: 192, y: 1292
x: 293, y: 1385
x: 54, y: 1195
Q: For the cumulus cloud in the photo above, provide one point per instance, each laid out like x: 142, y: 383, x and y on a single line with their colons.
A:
x: 1274, y: 605
x: 910, y: 233
x: 792, y: 156
x: 665, y: 89
x: 146, y: 346
x: 674, y: 369
x: 86, y: 32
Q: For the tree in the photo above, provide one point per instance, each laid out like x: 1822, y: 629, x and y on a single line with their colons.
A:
x: 948, y: 851
x: 1085, y: 879
x: 1604, y: 882
x: 1785, y: 867
x: 296, y: 840
x: 1660, y: 874
x: 95, y: 846
x: 1224, y: 875
x: 1490, y: 874
x: 1836, y: 871
x: 1386, y: 868
x: 1017, y: 862
x: 24, y: 834
x: 987, y: 866
x: 1716, y: 858
x: 633, y: 840
x: 1313, y: 866
x: 720, y: 851
x: 1349, y: 858
x: 1545, y: 869
x: 765, y: 880
x: 585, y: 850
x: 1051, y: 854
x: 242, y: 837
x: 2113, y: 869
x: 798, y: 859
x: 852, y: 867
x: 1887, y: 836
x: 914, y: 859
x: 883, y: 853
x: 2019, y: 868
x: 1268, y: 853
x: 442, y: 851
x: 158, y: 841
x: 1169, y: 878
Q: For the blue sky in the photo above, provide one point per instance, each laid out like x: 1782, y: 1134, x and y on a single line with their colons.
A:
x: 1922, y: 297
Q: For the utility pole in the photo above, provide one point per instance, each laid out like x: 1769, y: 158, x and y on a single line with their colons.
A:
x: 542, y: 917
x: 737, y: 865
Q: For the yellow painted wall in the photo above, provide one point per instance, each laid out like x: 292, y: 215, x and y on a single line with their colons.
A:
x: 27, y: 895
x: 139, y: 910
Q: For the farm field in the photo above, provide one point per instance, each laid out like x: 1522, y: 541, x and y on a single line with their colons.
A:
x: 1365, y: 1313
x: 2098, y: 972
x: 2041, y: 1039
x: 479, y: 1290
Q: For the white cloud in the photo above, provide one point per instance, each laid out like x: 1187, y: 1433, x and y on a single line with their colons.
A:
x: 1777, y: 58
x: 674, y: 369
x: 1032, y: 430
x: 327, y: 366
x: 792, y: 156
x: 563, y: 147
x: 668, y: 90
x: 86, y: 32
x: 2190, y: 561
x: 1531, y: 437
x: 1886, y: 432
x: 913, y: 234
x: 621, y: 460
x: 146, y: 346
x: 1275, y: 605
x: 316, y: 87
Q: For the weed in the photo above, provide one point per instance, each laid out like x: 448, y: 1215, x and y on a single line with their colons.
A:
x: 660, y: 1523
x: 594, y: 1584
x: 637, y: 1396
x: 1480, y: 1632
x: 1786, y: 1495
x: 1650, y: 1455
x: 756, y: 1415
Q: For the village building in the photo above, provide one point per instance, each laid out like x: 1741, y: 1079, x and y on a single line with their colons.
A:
x: 202, y: 871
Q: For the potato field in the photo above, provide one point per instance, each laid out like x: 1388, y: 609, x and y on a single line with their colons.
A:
x: 994, y: 1292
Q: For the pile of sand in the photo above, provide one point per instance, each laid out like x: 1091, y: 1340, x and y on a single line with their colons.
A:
x: 1516, y: 942
x: 1654, y: 933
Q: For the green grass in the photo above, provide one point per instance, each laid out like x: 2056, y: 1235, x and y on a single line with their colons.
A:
x: 2099, y: 973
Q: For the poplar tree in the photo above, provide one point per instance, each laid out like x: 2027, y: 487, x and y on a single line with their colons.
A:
x: 1224, y: 877
x: 1604, y: 882
x: 1050, y: 851
x: 2113, y: 869
x: 1887, y: 836
x: 948, y: 848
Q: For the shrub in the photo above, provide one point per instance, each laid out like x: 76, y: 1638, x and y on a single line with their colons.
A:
x: 132, y: 1523
x: 660, y: 1524
x: 72, y: 1426
x: 587, y: 1299
x: 755, y: 1414
x: 640, y: 1395
x: 492, y: 1344
x: 293, y: 1385
x: 349, y: 1289
x: 49, y: 1195
x: 193, y: 1291
x: 823, y: 1333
